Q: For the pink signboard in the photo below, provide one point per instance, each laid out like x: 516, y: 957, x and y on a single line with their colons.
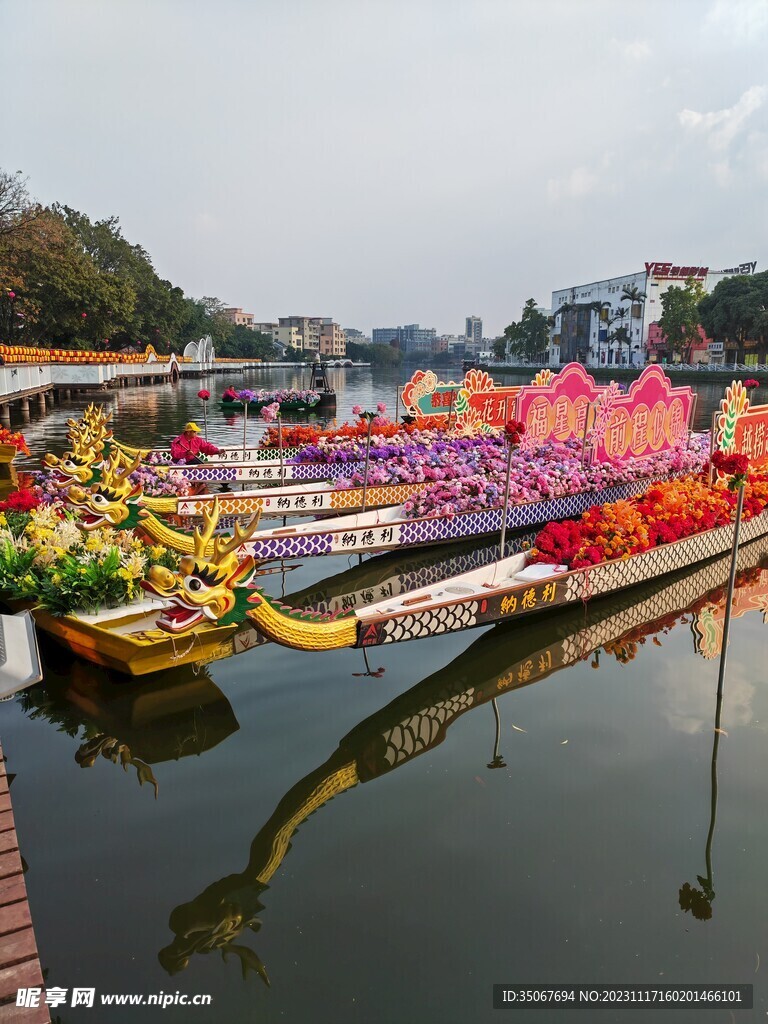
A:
x: 558, y: 411
x: 650, y: 418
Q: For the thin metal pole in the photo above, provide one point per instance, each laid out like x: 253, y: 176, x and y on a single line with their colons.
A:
x: 205, y: 419
x: 397, y: 403
x: 731, y: 585
x: 506, y: 501
x: 584, y: 438
x: 280, y: 446
x: 367, y: 458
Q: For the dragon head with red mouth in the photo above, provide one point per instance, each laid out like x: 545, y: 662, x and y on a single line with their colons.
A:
x: 108, y: 502
x: 203, y: 589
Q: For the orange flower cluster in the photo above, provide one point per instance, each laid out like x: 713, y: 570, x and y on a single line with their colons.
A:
x: 667, y: 512
x: 299, y: 435
x: 15, y: 439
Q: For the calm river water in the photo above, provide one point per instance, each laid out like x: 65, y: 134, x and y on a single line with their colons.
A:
x: 547, y: 836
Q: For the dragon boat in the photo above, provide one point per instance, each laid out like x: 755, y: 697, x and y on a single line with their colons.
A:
x: 504, y: 590
x: 501, y: 661
x: 190, y: 616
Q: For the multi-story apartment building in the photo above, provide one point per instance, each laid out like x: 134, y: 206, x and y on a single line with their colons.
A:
x: 333, y: 341
x: 411, y: 339
x: 309, y: 330
x: 353, y: 335
x: 236, y: 316
x: 289, y: 336
x: 473, y: 332
x: 586, y: 316
x: 265, y: 327
x: 386, y: 336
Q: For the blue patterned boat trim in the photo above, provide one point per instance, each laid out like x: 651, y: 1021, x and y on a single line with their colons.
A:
x: 255, y: 474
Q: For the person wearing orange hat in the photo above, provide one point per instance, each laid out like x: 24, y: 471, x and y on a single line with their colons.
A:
x: 189, y: 446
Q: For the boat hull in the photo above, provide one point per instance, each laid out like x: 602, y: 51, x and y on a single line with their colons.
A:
x: 258, y: 406
x: 136, y: 654
x: 272, y: 502
x: 523, y: 599
x: 373, y: 535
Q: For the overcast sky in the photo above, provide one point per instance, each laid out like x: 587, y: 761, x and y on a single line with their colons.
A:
x: 388, y: 162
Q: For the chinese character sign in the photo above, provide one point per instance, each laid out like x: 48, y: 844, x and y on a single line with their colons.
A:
x: 652, y: 417
x: 742, y: 428
x: 475, y: 403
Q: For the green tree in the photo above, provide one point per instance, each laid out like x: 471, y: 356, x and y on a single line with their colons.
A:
x: 737, y: 311
x: 158, y: 311
x: 529, y: 337
x: 680, y: 320
x: 500, y: 348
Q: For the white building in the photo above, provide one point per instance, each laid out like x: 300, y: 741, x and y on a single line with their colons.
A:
x: 587, y: 316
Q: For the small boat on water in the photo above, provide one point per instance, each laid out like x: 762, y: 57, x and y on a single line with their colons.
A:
x: 502, y: 591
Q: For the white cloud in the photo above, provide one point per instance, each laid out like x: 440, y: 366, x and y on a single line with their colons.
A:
x: 579, y: 183
x: 634, y: 49
x: 720, y: 127
x: 740, y: 20
x: 688, y: 699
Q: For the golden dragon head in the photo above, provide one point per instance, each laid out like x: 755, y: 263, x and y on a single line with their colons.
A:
x: 203, y: 589
x: 106, y: 503
x: 87, y: 439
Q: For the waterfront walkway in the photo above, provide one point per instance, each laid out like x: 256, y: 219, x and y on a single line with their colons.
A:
x: 19, y: 964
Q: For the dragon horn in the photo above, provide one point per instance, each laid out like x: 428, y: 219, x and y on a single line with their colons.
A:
x: 202, y: 537
x: 225, y: 545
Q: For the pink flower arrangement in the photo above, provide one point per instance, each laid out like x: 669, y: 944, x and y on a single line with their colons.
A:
x: 750, y: 384
x: 357, y: 410
x: 270, y: 412
x: 205, y: 395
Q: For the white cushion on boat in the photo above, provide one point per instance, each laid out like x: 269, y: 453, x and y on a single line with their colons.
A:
x: 539, y: 571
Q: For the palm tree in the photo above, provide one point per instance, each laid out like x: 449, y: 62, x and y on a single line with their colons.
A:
x: 620, y: 334
x: 598, y: 308
x: 633, y: 295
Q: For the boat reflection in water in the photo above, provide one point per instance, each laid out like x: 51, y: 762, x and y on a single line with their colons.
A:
x: 504, y: 659
x: 135, y: 724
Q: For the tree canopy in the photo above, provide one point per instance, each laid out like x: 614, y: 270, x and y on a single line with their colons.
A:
x: 528, y: 338
x: 70, y: 282
x: 737, y: 310
x: 680, y: 319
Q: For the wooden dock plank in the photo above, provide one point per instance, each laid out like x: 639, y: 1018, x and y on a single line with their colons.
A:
x: 14, y: 917
x: 24, y: 975
x: 10, y: 863
x: 8, y: 841
x: 18, y: 1015
x: 19, y: 963
x: 17, y: 947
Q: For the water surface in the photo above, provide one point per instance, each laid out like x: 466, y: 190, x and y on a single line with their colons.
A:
x: 394, y: 857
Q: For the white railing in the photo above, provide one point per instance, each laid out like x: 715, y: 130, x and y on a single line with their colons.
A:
x: 14, y: 380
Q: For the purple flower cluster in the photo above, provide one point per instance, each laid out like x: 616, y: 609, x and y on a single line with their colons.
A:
x: 286, y: 395
x: 172, y: 484
x: 549, y: 471
x: 334, y: 451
